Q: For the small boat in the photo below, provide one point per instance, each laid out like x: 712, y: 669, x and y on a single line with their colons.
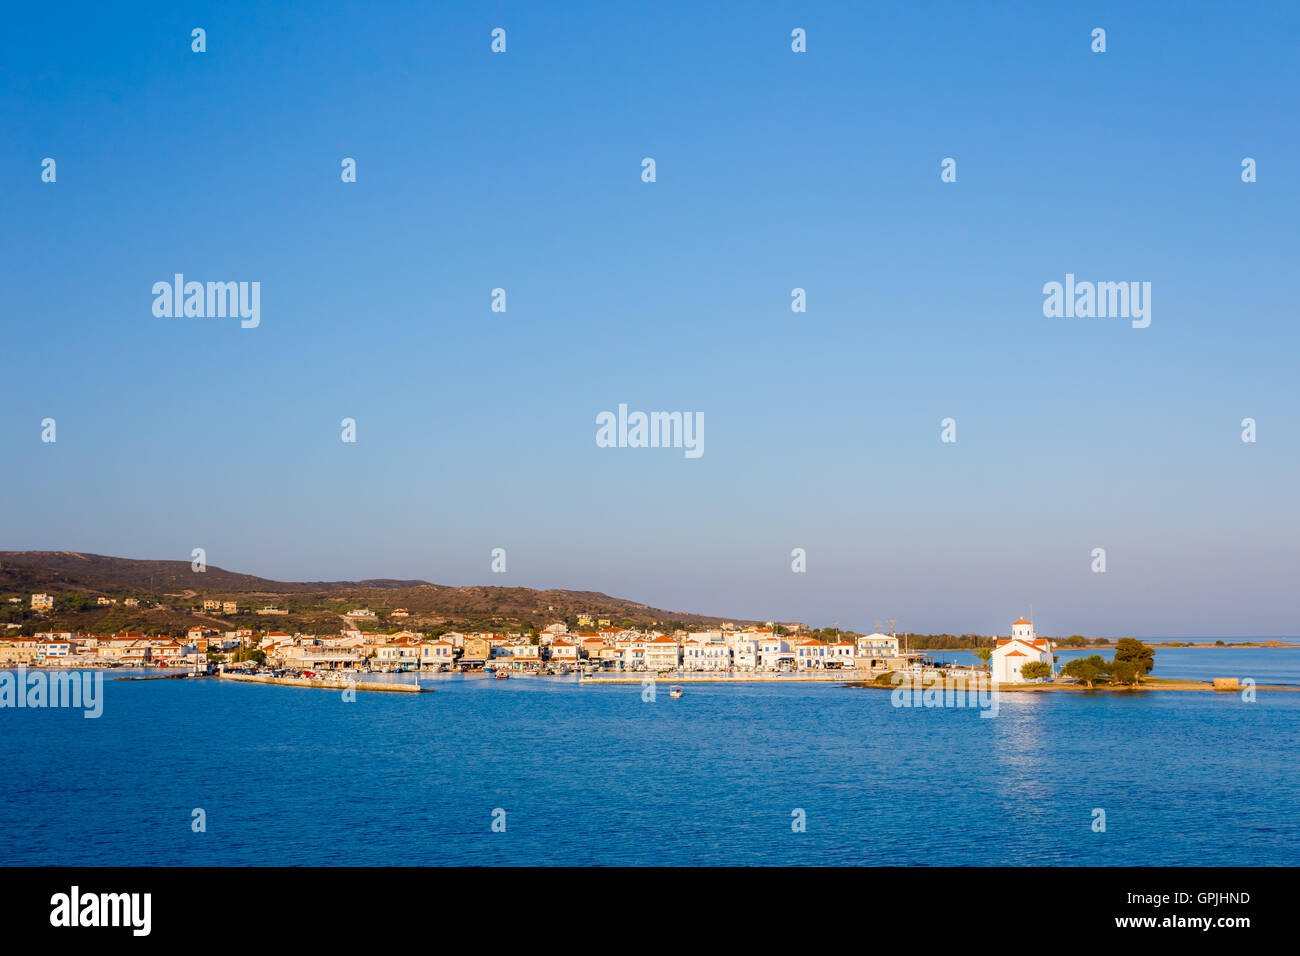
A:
x: 674, y: 692
x: 502, y: 675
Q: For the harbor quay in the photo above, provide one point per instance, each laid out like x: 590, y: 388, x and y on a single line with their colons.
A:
x: 739, y: 677
x: 334, y: 684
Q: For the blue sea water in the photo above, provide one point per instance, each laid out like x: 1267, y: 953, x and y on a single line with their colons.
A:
x: 596, y: 775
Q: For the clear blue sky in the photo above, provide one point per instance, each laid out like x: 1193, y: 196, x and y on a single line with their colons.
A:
x: 775, y: 170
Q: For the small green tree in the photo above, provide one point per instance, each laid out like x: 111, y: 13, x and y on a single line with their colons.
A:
x: 1125, y: 672
x: 1135, y: 652
x: 1086, y: 669
x: 1035, y: 670
x: 984, y: 654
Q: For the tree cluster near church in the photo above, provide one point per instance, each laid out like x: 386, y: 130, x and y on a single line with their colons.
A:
x: 1034, y: 670
x: 1125, y: 672
x: 1086, y: 669
x: 1133, y: 660
x: 1142, y: 657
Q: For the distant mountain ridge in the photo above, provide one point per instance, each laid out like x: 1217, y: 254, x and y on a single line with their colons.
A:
x: 61, y: 572
x: 98, y: 571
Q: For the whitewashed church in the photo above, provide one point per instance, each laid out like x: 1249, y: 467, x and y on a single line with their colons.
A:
x: 1018, y: 649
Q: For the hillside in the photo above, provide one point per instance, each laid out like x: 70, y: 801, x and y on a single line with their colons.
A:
x: 174, y: 590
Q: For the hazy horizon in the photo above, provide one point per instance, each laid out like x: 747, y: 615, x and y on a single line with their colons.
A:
x: 1004, y: 628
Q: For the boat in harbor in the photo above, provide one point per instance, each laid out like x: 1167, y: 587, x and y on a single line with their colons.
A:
x: 502, y: 675
x: 674, y: 691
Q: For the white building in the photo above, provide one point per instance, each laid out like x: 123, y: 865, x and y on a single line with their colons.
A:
x: 1017, y: 650
x: 774, y: 654
x: 662, y: 654
x: 564, y: 651
x: 744, y: 653
x: 812, y: 654
x: 42, y: 602
x: 843, y: 654
x: 706, y: 656
x: 877, y: 650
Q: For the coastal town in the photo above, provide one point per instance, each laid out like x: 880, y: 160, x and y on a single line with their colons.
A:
x: 594, y: 647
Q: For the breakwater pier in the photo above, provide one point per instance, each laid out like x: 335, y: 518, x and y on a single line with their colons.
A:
x: 394, y: 688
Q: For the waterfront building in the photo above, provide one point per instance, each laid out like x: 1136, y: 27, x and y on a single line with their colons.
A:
x: 315, y: 657
x: 662, y: 654
x: 843, y: 655
x: 774, y: 654
x: 135, y: 652
x: 744, y: 654
x: 517, y: 652
x: 877, y: 650
x: 565, y: 651
x: 706, y: 655
x: 437, y: 653
x: 1019, y: 649
x: 401, y: 651
x: 630, y: 656
x: 812, y: 654
x: 166, y: 652
x: 52, y: 649
x: 477, y: 650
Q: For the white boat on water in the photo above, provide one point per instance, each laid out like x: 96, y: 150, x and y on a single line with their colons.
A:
x: 674, y: 691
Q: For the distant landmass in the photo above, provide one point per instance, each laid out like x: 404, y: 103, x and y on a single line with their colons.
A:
x: 169, y: 592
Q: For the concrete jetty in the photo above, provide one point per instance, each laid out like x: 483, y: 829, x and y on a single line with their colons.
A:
x: 328, y: 684
x: 723, y: 677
